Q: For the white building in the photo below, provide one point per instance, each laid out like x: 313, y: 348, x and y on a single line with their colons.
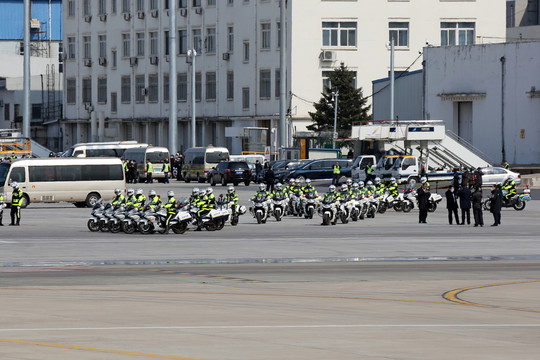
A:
x: 117, y: 63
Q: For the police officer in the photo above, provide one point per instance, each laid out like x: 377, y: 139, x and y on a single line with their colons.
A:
x: 510, y: 186
x: 210, y: 198
x: 506, y: 165
x: 140, y: 199
x: 262, y: 191
x: 344, y: 193
x: 231, y: 196
x: 149, y: 171
x: 16, y: 203
x: 194, y: 199
x: 153, y: 200
x: 379, y: 186
x: 370, y: 189
x: 119, y: 198
x: 423, y: 180
x: 308, y: 188
x: 166, y: 170
x: 369, y: 172
x: 172, y: 208
x: 393, y: 188
x: 2, y: 205
x: 131, y: 199
x: 336, y: 173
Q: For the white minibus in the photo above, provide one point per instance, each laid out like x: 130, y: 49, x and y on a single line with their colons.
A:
x: 77, y: 180
x: 156, y: 155
x: 200, y: 160
x: 102, y: 149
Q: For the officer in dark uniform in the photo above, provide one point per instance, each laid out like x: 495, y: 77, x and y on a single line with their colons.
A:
x: 16, y: 203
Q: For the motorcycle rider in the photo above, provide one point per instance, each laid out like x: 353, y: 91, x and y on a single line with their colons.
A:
x: 393, y: 188
x: 290, y: 188
x: 119, y: 198
x: 331, y: 193
x: 140, y: 199
x: 370, y: 188
x: 231, y: 196
x: 344, y: 193
x: 172, y: 208
x: 510, y: 186
x: 309, y: 188
x: 131, y: 199
x: 153, y: 200
x: 349, y: 184
x: 379, y: 186
x: 279, y: 192
x: 210, y: 197
x: 355, y: 191
x: 261, y: 191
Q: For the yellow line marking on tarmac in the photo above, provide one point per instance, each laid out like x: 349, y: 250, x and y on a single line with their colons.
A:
x: 453, y: 295
x: 84, y: 348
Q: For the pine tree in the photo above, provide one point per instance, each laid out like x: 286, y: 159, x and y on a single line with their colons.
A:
x: 352, y: 106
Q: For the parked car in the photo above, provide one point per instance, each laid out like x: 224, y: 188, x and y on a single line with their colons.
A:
x: 283, y: 169
x: 227, y: 172
x: 318, y: 169
x: 498, y: 175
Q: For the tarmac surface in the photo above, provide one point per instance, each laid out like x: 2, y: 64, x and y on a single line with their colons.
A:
x: 383, y: 288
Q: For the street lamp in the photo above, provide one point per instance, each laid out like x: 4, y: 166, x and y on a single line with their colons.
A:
x: 334, y: 134
x: 192, y: 54
x: 391, y: 47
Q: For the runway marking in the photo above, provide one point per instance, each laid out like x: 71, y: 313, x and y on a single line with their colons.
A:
x: 8, y: 242
x: 240, y: 327
x: 453, y: 295
x: 199, y: 275
x: 90, y: 349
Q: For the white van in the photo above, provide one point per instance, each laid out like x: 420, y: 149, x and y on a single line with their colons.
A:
x: 102, y: 149
x: 158, y: 156
x: 200, y: 160
x: 79, y: 181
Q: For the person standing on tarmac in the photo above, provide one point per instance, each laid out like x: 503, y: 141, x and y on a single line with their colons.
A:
x: 336, y: 173
x: 149, y: 171
x: 16, y: 203
x: 452, y: 204
x: 2, y: 205
x: 166, y: 170
x: 369, y: 172
x: 423, y: 198
x: 496, y: 204
x: 270, y: 178
x: 477, y: 207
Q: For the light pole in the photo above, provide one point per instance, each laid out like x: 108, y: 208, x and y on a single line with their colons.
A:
x: 334, y: 134
x: 391, y: 78
x: 192, y: 54
x: 173, y: 122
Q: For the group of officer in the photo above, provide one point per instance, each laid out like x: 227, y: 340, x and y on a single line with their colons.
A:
x: 16, y: 204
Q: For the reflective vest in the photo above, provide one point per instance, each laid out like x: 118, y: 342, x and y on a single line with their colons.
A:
x: 131, y: 200
x: 309, y: 188
x: 166, y: 168
x: 149, y: 167
x: 118, y: 199
x: 337, y: 170
x: 154, y: 202
x: 139, y: 201
x: 369, y: 170
x: 17, y: 197
x: 393, y: 189
x: 171, y: 205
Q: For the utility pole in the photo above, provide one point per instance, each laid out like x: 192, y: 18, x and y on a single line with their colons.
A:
x: 192, y: 53
x: 26, y: 85
x: 392, y: 79
x: 334, y: 134
x: 282, y: 75
x: 173, y: 108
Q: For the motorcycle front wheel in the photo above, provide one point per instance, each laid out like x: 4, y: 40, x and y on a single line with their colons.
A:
x: 277, y: 215
x: 114, y: 227
x: 220, y: 224
x: 407, y: 207
x: 432, y: 207
x: 145, y: 228
x: 211, y: 226
x: 344, y: 218
x: 93, y: 225
x: 326, y: 219
x: 397, y: 206
x: 103, y: 226
x: 259, y: 217
x: 310, y: 213
x: 382, y: 208
x: 129, y: 228
x: 234, y: 220
x: 180, y: 228
x: 519, y: 205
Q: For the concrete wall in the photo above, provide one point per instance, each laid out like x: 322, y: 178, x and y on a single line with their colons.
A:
x: 408, y: 90
x: 474, y: 74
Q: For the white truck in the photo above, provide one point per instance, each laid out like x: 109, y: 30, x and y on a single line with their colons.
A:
x: 404, y: 168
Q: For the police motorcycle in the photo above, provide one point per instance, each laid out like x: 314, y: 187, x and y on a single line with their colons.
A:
x: 404, y: 201
x: 96, y: 216
x: 260, y: 208
x: 279, y: 204
x: 346, y: 205
x: 309, y: 204
x: 213, y: 220
x: 106, y: 216
x: 517, y: 201
x: 329, y: 207
x: 131, y: 220
x: 386, y: 202
x: 233, y: 211
x: 372, y: 200
x: 295, y: 207
x: 433, y: 200
x: 117, y: 218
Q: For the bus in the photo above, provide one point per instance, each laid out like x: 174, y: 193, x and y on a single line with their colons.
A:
x: 49, y: 180
x: 200, y: 160
x: 102, y: 149
x: 156, y: 155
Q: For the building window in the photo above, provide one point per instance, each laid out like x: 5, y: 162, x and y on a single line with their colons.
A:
x: 166, y: 88
x: 196, y: 3
x: 182, y: 42
x: 36, y: 111
x: 230, y: 85
x: 245, y: 98
x: 139, y: 88
x: 166, y: 44
x: 183, y: 4
x: 113, y: 7
x: 102, y: 46
x: 125, y: 89
x: 126, y: 45
x: 153, y: 4
x: 230, y: 38
x: 87, y: 90
x: 126, y: 6
x: 246, y: 51
x: 265, y: 84
x: 71, y: 87
x: 72, y: 45
x: 230, y: 2
x: 277, y: 81
x: 87, y: 10
x: 265, y: 36
x: 211, y: 3
x: 337, y: 33
x: 7, y: 115
x: 102, y: 7
x: 154, y: 51
x: 181, y: 87
x: 399, y: 32
x: 114, y: 103
x: 197, y: 40
x: 140, y: 43
x: 102, y: 91
x: 457, y: 33
x: 211, y: 86
x: 114, y: 60
x: 278, y: 35
x: 71, y: 8
x: 140, y: 5
x: 87, y: 47
x: 166, y: 4
x: 198, y: 86
x: 327, y: 84
x: 211, y: 40
x: 153, y: 88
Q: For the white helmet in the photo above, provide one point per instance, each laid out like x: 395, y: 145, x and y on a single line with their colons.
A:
x: 15, y: 185
x: 369, y: 183
x: 202, y: 192
x: 130, y: 192
x: 209, y: 190
x: 361, y: 183
x: 278, y: 186
x: 117, y: 191
x: 262, y: 186
x: 139, y: 191
x: 348, y: 182
x: 344, y: 187
x: 291, y: 181
x: 152, y: 193
x: 297, y: 181
x: 377, y: 180
x: 195, y: 191
x: 355, y: 185
x: 231, y: 189
x: 392, y: 180
x: 308, y: 181
x: 423, y: 180
x: 332, y: 188
x: 170, y: 193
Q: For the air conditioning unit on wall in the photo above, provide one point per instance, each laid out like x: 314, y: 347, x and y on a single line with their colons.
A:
x: 328, y: 55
